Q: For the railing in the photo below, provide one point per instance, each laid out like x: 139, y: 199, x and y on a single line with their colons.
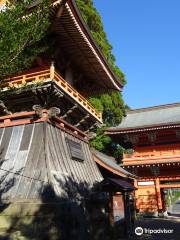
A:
x: 47, y: 75
x: 152, y: 153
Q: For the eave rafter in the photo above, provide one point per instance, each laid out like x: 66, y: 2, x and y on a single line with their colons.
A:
x: 83, y: 120
x: 70, y: 111
x: 149, y: 165
x: 77, y: 39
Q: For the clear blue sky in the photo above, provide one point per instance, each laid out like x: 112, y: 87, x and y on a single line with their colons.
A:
x: 145, y: 35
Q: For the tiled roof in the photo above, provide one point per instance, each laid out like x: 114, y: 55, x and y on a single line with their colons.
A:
x: 151, y: 116
x: 111, y: 163
x: 34, y: 155
x: 115, y: 184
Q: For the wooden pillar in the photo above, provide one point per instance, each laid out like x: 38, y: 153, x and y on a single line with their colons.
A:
x: 111, y: 217
x: 158, y: 194
x: 136, y: 193
x: 52, y: 69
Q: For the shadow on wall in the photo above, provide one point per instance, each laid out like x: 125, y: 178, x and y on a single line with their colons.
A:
x: 78, y: 212
x: 6, y: 183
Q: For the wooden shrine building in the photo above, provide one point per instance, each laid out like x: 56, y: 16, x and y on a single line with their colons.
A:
x: 153, y: 135
x: 48, y: 175
x: 118, y: 182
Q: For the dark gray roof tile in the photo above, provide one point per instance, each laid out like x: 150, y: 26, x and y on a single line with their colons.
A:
x: 152, y: 116
x: 110, y: 161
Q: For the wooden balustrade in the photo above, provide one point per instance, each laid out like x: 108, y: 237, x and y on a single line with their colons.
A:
x: 164, y: 152
x: 47, y: 75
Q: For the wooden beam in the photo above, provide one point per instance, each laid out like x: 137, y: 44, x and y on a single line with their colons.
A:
x: 158, y: 194
x: 91, y: 135
x: 69, y: 111
x: 82, y: 120
x: 169, y: 185
x: 91, y: 128
x: 4, y: 108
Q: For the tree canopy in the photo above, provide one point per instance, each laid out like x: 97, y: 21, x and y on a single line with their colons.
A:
x: 111, y: 105
x: 21, y: 31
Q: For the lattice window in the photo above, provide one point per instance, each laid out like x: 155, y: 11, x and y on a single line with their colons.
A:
x: 75, y: 149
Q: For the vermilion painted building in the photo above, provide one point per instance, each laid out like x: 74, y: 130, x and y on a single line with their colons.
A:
x: 154, y: 136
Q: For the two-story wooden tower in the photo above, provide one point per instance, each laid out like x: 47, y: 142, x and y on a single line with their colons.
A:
x: 47, y: 173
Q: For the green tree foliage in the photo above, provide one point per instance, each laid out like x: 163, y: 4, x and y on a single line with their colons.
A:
x: 101, y: 142
x: 111, y: 105
x: 113, y: 108
x: 21, y: 30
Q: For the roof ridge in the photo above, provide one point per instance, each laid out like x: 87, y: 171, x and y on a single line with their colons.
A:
x: 146, y: 109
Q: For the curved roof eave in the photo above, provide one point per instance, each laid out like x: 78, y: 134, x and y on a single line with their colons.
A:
x: 80, y: 25
x: 107, y: 162
x: 148, y: 119
x: 113, y: 131
x: 99, y: 55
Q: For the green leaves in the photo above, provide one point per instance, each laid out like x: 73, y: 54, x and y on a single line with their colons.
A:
x: 111, y: 105
x: 21, y: 32
x: 113, y: 108
x: 101, y: 142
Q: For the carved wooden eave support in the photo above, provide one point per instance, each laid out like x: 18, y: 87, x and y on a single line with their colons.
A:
x: 54, y: 112
x: 38, y: 110
x: 152, y: 136
x: 133, y: 138
x: 70, y: 111
x: 94, y: 126
x: 3, y: 108
x: 47, y: 89
x: 56, y: 95
x: 82, y: 120
x: 91, y: 135
x: 155, y: 170
x: 47, y: 94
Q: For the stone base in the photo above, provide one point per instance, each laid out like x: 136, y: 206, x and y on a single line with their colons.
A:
x: 28, y: 220
x: 33, y: 220
x: 149, y: 214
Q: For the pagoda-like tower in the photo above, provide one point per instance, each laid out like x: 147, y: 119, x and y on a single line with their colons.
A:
x: 152, y: 137
x: 48, y: 176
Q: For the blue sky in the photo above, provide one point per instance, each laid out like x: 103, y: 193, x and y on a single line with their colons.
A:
x: 145, y: 35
